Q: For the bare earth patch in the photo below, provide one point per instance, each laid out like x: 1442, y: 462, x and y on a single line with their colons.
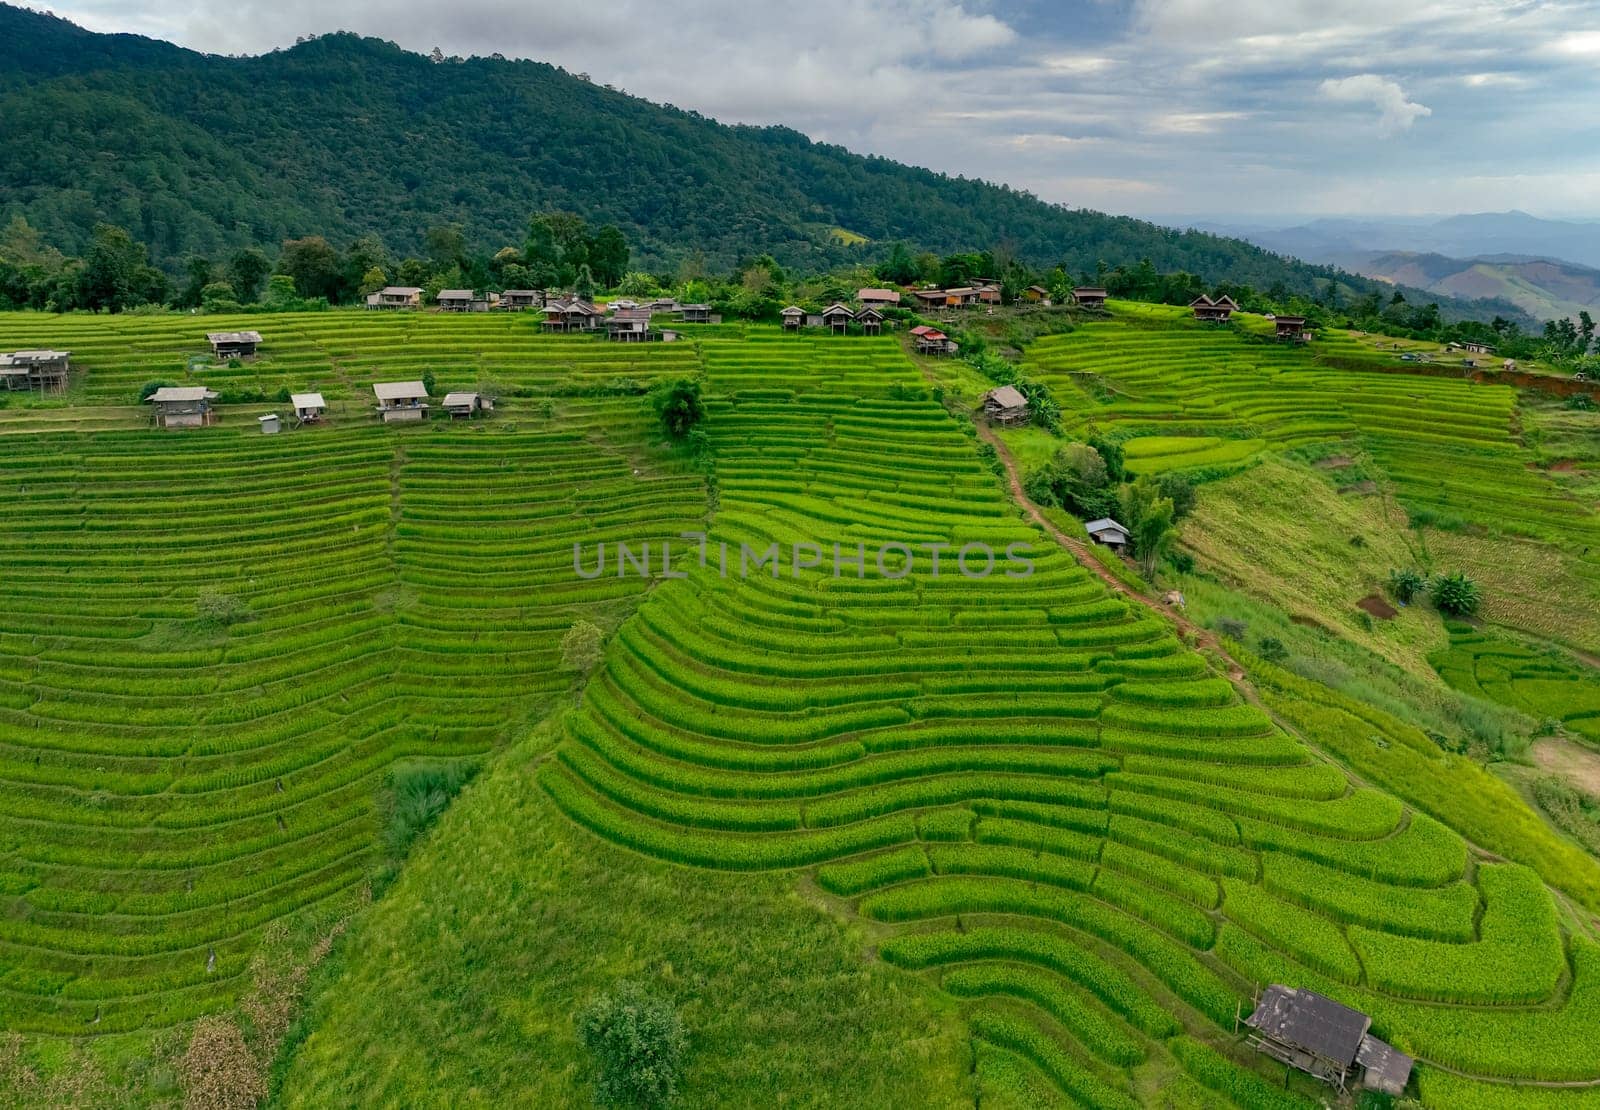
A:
x: 1378, y: 607
x: 1334, y: 462
x: 1561, y: 466
x: 1368, y: 486
x: 1574, y: 762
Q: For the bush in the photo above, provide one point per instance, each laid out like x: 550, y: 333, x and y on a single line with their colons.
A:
x: 1233, y: 629
x: 1406, y: 584
x: 1271, y: 649
x: 582, y: 647
x: 149, y: 388
x: 215, y: 609
x: 418, y: 795
x: 638, y: 1043
x: 678, y: 405
x: 1456, y: 595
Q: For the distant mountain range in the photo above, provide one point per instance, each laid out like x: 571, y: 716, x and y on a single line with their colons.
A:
x: 1543, y: 288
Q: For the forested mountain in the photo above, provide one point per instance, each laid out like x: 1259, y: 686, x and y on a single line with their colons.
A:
x: 342, y: 135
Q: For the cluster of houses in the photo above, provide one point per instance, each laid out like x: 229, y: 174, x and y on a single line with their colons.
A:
x: 837, y: 318
x: 44, y: 371
x: 408, y: 402
x: 1213, y: 311
x: 625, y: 321
x: 986, y: 292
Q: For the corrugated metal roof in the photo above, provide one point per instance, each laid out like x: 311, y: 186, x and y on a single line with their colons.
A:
x: 234, y: 336
x: 1310, y: 1021
x: 180, y: 393
x: 453, y: 399
x: 1006, y: 396
x: 307, y: 401
x: 399, y: 391
x: 455, y: 294
x: 1387, y: 1068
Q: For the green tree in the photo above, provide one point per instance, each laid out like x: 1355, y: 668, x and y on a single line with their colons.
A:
x: 446, y: 246
x: 198, y: 271
x: 372, y: 281
x: 638, y: 1043
x: 110, y: 269
x: 1149, y: 519
x: 1179, y: 489
x: 900, y: 267
x: 678, y: 405
x: 583, y: 283
x: 1456, y: 595
x: 280, y: 295
x: 608, y: 255
x: 314, y: 266
x: 218, y: 296
x: 582, y: 647
x: 247, y: 268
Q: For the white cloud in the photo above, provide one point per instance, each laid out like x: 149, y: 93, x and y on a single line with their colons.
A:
x: 1396, y: 113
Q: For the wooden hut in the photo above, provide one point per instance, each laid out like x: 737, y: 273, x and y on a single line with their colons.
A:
x: 465, y: 405
x: 932, y: 341
x: 515, y: 300
x: 183, y: 406
x: 1212, y: 312
x: 562, y: 315
x: 871, y: 321
x: 309, y: 408
x: 233, y: 344
x: 1324, y: 1038
x: 456, y: 300
x: 1037, y: 294
x: 629, y: 325
x: 45, y: 371
x: 878, y: 298
x: 396, y: 296
x: 794, y: 318
x: 1292, y: 328
x: 989, y: 294
x: 932, y: 298
x: 1107, y: 532
x: 1006, y: 405
x: 696, y: 313
x: 1089, y: 296
x: 837, y: 318
x: 401, y: 402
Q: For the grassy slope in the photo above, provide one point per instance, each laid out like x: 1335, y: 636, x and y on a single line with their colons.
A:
x: 463, y: 982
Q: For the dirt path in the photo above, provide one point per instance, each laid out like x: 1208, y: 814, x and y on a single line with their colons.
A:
x: 1575, y: 762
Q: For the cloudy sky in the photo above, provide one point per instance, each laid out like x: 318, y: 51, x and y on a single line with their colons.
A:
x: 1230, y: 109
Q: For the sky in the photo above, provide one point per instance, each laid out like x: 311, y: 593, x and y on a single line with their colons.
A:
x: 1238, y: 111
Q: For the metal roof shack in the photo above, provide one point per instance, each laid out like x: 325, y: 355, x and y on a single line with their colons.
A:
x: 696, y: 313
x: 45, y: 371
x: 838, y: 318
x: 1108, y: 532
x: 1292, y: 328
x: 456, y: 300
x: 183, y: 406
x: 517, y: 299
x: 1324, y: 1038
x: 1089, y: 296
x: 233, y: 344
x: 564, y: 315
x: 794, y: 318
x: 1212, y: 311
x: 396, y: 296
x: 308, y: 407
x: 1006, y: 405
x: 400, y: 402
x: 878, y: 298
x: 465, y: 404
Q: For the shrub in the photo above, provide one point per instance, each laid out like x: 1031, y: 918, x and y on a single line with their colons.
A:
x: 582, y: 647
x: 1406, y: 584
x: 1178, y: 489
x: 678, y: 405
x: 1232, y: 628
x: 638, y: 1043
x: 418, y: 795
x: 1456, y: 595
x: 1271, y: 649
x: 214, y: 608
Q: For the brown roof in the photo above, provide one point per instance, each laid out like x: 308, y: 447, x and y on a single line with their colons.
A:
x: 878, y: 295
x: 1007, y: 397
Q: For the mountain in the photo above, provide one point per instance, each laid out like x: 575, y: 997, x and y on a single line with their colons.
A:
x: 1541, y: 287
x: 341, y: 135
x: 1465, y: 236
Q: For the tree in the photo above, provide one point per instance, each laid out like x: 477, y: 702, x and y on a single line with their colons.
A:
x: 582, y: 647
x: 1178, y: 489
x: 199, y: 274
x: 1149, y: 520
x: 638, y: 1043
x: 314, y: 266
x: 218, y: 296
x: 110, y: 269
x: 1111, y: 452
x: 280, y: 295
x: 372, y: 281
x: 608, y: 255
x: 900, y: 267
x: 583, y: 283
x: 679, y: 406
x: 1456, y: 595
x: 446, y: 245
x: 247, y: 269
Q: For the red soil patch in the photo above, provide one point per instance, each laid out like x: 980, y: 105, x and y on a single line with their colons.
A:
x: 1378, y: 607
x: 1561, y: 466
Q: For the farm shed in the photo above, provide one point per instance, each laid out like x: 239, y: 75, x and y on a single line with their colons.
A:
x: 270, y: 423
x: 629, y: 325
x: 871, y: 321
x: 932, y: 341
x: 1107, y: 532
x: 1212, y: 311
x: 837, y: 318
x: 570, y: 315
x: 233, y: 344
x: 459, y: 300
x: 465, y: 404
x: 1006, y: 405
x: 517, y: 299
x: 396, y: 296
x: 45, y: 371
x: 963, y: 296
x: 878, y: 298
x: 988, y: 294
x: 794, y: 317
x: 1089, y: 296
x: 400, y: 402
x: 1324, y: 1038
x: 933, y: 298
x: 1038, y: 294
x: 696, y: 314
x: 309, y: 408
x: 1292, y: 328
x: 183, y: 406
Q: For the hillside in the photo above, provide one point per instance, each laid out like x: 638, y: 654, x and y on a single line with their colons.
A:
x: 341, y: 135
x: 1544, y: 288
x: 1071, y: 830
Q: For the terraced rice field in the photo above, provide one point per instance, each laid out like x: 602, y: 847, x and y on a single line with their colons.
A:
x: 169, y: 789
x: 1049, y: 805
x: 1542, y: 684
x: 1041, y: 800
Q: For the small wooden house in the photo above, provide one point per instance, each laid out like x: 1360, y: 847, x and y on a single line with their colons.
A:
x: 878, y: 298
x: 515, y: 300
x: 932, y: 341
x: 1107, y: 532
x: 457, y: 300
x: 629, y: 325
x: 1292, y: 328
x: 871, y: 321
x: 963, y: 296
x: 1324, y: 1038
x: 1089, y: 296
x: 1036, y: 294
x: 989, y: 294
x: 794, y: 318
x: 45, y: 371
x: 396, y: 296
x: 233, y: 344
x: 932, y: 298
x: 696, y: 313
x: 465, y: 405
x: 401, y: 402
x: 183, y: 406
x: 571, y: 315
x: 1006, y: 405
x: 1476, y: 348
x: 1212, y: 312
x: 837, y: 318
x: 309, y: 408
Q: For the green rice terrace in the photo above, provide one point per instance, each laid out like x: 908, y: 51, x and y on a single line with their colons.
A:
x: 1040, y: 807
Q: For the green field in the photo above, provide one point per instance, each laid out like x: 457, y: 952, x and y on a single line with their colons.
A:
x: 1029, y: 805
